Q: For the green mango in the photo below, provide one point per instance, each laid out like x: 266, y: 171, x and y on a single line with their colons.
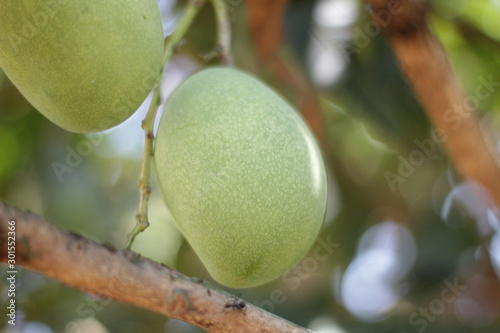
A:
x: 241, y: 174
x: 86, y: 65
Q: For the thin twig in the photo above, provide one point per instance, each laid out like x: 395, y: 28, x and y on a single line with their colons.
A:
x: 144, y: 186
x: 127, y: 277
x: 172, y: 42
x: 223, y: 31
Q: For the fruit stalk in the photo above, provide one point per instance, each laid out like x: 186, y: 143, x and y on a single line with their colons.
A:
x: 171, y: 44
x: 223, y: 31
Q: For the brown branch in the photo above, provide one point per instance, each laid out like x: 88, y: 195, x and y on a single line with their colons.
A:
x: 127, y: 277
x: 266, y: 30
x: 265, y: 20
x: 424, y: 63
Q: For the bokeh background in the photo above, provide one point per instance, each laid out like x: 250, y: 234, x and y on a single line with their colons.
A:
x: 406, y: 245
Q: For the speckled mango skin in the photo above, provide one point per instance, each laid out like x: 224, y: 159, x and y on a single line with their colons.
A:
x: 86, y: 65
x: 241, y: 174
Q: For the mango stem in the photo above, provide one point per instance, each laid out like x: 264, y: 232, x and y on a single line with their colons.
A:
x: 171, y: 43
x: 223, y: 31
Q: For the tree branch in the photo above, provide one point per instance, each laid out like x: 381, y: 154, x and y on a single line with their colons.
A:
x: 265, y: 19
x: 127, y: 277
x: 265, y: 23
x: 424, y: 63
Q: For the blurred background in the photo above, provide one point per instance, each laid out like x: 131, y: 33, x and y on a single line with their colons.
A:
x: 406, y: 245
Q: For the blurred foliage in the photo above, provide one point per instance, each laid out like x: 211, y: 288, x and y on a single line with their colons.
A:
x: 373, y: 124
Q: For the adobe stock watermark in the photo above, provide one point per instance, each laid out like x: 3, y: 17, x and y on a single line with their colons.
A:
x: 428, y: 146
x: 34, y: 24
x: 233, y: 3
x: 421, y: 318
x: 293, y: 279
x: 363, y: 37
x: 74, y: 155
x: 11, y: 272
x: 86, y: 309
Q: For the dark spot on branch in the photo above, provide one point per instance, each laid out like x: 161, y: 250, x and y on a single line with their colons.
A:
x: 165, y: 266
x: 25, y: 251
x: 185, y: 295
x: 75, y: 243
x: 132, y: 257
x: 76, y: 236
x: 109, y: 247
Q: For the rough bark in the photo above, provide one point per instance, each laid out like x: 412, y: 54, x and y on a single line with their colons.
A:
x: 424, y: 63
x: 127, y: 277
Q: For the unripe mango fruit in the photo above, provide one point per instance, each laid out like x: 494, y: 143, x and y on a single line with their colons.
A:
x: 86, y: 65
x: 241, y: 175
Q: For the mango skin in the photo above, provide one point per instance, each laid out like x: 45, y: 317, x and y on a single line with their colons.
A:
x: 241, y: 174
x: 86, y: 65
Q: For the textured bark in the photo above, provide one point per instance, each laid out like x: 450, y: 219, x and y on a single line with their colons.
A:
x: 424, y: 63
x: 127, y: 277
